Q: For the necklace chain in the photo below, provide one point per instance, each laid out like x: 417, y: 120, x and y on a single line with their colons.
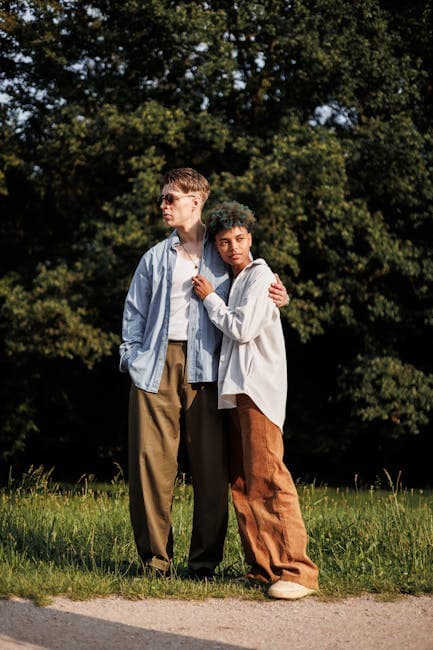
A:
x: 195, y: 262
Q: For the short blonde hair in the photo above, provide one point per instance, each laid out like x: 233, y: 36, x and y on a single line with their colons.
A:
x: 187, y: 180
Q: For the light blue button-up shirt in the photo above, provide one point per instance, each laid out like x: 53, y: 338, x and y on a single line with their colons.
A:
x: 147, y: 312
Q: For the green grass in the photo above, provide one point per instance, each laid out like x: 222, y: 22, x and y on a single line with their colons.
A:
x: 77, y: 541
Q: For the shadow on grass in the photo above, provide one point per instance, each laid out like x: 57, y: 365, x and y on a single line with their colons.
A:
x: 61, y: 553
x: 33, y: 545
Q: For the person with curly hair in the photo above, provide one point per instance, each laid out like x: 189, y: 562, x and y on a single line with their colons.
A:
x: 171, y: 351
x: 252, y: 384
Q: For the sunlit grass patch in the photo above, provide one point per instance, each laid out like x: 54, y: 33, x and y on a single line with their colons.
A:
x: 77, y: 540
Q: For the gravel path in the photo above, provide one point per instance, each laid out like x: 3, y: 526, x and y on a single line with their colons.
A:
x: 104, y: 624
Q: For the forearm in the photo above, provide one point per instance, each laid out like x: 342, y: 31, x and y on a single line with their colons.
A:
x: 242, y: 323
x: 134, y: 320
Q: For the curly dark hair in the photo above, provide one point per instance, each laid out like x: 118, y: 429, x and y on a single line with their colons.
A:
x: 228, y: 215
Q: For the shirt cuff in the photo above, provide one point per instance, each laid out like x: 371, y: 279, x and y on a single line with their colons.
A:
x: 212, y: 300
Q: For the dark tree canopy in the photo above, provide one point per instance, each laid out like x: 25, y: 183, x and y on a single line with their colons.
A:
x: 318, y: 115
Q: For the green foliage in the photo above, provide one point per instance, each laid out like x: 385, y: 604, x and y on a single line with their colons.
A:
x: 317, y: 115
x: 44, y: 324
x: 383, y: 389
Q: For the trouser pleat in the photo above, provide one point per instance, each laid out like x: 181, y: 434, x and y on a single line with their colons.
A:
x: 155, y: 425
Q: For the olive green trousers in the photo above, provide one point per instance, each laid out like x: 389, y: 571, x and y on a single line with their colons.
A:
x: 156, y: 423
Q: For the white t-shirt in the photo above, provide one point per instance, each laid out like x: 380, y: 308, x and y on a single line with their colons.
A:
x: 180, y: 298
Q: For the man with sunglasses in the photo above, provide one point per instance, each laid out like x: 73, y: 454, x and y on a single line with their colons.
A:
x: 171, y: 350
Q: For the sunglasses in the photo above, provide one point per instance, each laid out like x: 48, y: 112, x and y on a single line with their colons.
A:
x: 171, y: 198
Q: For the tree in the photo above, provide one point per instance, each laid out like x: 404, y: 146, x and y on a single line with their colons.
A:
x: 316, y: 114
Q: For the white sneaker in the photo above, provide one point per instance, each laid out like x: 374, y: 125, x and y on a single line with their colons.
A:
x: 288, y: 590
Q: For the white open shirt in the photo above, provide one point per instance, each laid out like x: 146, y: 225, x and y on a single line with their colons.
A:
x: 253, y: 355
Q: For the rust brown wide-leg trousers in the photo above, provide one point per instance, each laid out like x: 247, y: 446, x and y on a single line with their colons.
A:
x: 154, y: 434
x: 265, y: 499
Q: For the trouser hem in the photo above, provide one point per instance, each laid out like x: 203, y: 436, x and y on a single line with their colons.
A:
x: 156, y: 563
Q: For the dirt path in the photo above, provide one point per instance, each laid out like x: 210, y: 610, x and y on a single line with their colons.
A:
x: 113, y: 623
